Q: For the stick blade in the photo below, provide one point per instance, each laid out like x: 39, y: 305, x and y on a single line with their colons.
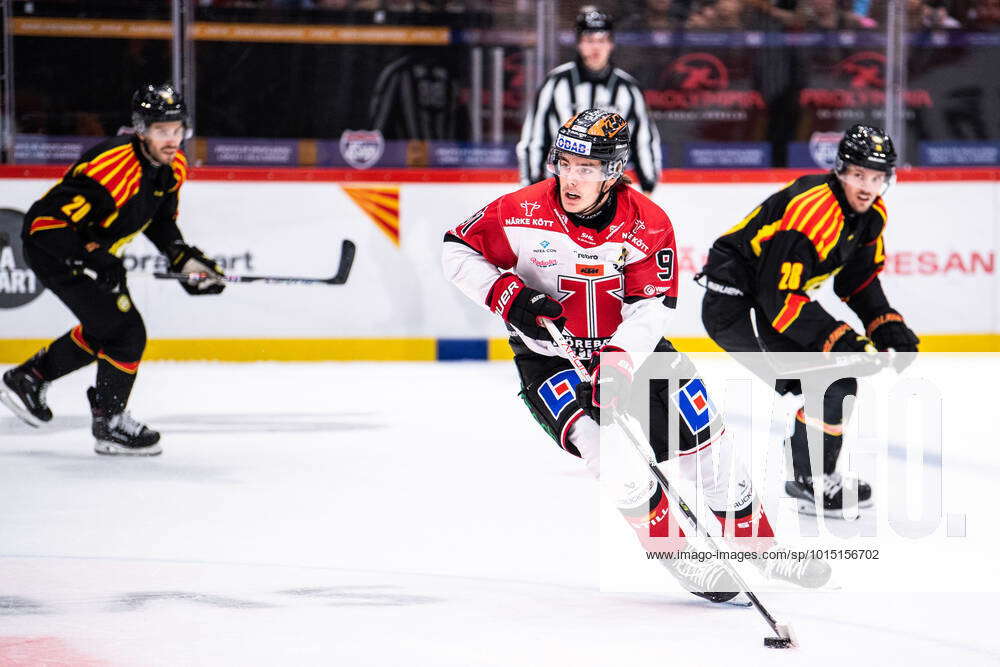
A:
x: 347, y: 250
x: 785, y: 638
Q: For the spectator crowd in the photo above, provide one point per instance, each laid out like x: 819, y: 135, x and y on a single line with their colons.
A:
x: 803, y: 15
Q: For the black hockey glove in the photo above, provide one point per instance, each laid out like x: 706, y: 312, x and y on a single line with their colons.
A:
x: 188, y: 259
x: 889, y: 332
x: 109, y: 271
x: 522, y: 307
x: 855, y: 352
x: 610, y: 382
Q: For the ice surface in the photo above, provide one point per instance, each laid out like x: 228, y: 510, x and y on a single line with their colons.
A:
x: 390, y: 514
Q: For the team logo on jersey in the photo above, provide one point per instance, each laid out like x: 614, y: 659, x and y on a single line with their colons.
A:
x: 823, y: 148
x: 694, y: 405
x: 361, y: 148
x: 530, y: 207
x: 619, y: 264
x: 558, y: 391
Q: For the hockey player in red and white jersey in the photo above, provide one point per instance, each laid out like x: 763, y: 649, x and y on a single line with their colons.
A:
x: 598, y: 259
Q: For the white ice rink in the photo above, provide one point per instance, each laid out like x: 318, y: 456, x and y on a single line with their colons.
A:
x: 408, y: 514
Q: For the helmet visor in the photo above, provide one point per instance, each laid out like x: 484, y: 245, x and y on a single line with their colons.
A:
x: 867, y: 178
x: 576, y: 169
x: 152, y: 127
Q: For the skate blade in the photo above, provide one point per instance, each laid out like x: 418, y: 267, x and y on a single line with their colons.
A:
x: 108, y: 448
x: 809, y: 508
x: 11, y: 402
x: 739, y: 601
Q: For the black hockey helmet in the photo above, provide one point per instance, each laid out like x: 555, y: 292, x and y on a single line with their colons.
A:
x: 157, y: 104
x: 592, y: 19
x: 597, y: 134
x: 868, y: 147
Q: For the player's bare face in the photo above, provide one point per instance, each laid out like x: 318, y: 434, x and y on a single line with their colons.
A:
x: 163, y: 140
x: 580, y: 182
x: 862, y: 185
x: 595, y: 50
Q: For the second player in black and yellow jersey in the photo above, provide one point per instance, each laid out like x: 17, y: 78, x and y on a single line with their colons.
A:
x: 762, y: 270
x: 73, y: 238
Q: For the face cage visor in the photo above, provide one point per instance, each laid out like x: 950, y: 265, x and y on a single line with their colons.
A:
x: 607, y: 170
x: 843, y: 165
x: 140, y: 125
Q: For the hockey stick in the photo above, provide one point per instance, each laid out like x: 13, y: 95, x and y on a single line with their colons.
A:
x: 784, y: 637
x: 857, y: 360
x: 346, y: 261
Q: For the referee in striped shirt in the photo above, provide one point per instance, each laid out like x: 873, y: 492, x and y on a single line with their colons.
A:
x: 589, y: 81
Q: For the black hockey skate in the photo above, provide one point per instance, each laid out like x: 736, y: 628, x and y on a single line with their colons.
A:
x: 778, y: 563
x: 23, y: 391
x: 834, y: 496
x: 119, y: 434
x: 707, y: 579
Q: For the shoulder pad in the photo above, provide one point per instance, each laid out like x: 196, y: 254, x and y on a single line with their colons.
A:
x: 815, y: 213
x: 180, y: 169
x: 625, y: 76
x: 643, y: 223
x: 879, y: 207
x: 116, y: 169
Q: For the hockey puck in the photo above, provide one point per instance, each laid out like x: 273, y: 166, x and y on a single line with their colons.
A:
x: 778, y: 642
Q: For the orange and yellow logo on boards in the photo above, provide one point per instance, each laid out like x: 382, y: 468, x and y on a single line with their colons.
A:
x: 381, y: 204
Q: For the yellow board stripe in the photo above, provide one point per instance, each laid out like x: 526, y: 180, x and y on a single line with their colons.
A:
x: 498, y: 349
x: 400, y: 349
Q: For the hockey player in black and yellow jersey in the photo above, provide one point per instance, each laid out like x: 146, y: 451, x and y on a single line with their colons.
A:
x: 816, y: 228
x: 73, y: 237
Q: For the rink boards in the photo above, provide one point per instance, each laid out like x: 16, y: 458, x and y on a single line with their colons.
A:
x: 941, y: 271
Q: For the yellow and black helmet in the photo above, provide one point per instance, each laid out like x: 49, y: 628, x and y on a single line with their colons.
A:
x: 597, y: 134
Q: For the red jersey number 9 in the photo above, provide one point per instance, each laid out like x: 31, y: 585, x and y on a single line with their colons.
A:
x: 665, y: 260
